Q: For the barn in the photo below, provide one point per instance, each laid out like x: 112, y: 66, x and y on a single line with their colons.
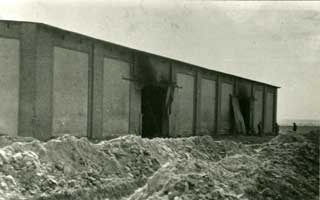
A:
x: 56, y: 82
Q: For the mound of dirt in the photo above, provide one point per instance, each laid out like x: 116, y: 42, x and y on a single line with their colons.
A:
x: 129, y: 167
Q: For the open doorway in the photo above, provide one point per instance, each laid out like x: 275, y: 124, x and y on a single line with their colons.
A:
x: 154, y: 114
x: 244, y: 104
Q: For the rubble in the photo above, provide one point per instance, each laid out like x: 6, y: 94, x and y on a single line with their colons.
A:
x: 133, y: 168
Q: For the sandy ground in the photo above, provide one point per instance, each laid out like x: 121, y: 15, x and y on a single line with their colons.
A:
x: 132, y: 168
x: 301, y: 129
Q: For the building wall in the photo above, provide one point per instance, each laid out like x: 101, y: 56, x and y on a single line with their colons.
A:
x: 89, y: 56
x: 162, y: 68
x: 70, y: 92
x: 269, y: 110
x: 207, y: 106
x: 152, y: 69
x: 258, y: 107
x: 27, y: 120
x: 116, y: 97
x: 63, y: 77
x: 10, y: 29
x: 9, y: 85
x: 97, y: 91
x: 183, y: 106
x: 184, y: 103
x: 201, y: 104
x: 135, y: 125
x: 243, y: 89
x: 44, y: 79
x: 112, y: 68
x: 226, y: 118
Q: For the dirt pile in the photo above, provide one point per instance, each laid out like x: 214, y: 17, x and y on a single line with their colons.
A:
x: 290, y: 168
x: 185, y: 168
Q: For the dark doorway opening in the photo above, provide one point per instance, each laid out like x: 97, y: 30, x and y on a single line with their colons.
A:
x: 244, y: 104
x: 154, y: 114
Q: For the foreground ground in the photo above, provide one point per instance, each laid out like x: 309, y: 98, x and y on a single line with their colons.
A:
x: 284, y: 167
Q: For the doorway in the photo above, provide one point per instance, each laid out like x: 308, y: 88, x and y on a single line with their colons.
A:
x: 154, y: 115
x: 244, y: 104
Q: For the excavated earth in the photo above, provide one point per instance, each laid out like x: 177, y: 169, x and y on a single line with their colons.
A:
x: 132, y: 168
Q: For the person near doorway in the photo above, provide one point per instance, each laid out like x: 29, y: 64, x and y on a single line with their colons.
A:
x: 294, y: 127
x: 276, y: 128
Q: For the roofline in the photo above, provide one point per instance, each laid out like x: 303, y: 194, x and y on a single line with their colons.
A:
x: 137, y: 50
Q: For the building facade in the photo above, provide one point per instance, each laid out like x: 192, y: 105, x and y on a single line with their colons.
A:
x: 56, y: 82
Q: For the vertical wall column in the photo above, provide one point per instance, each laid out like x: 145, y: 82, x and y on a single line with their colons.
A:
x: 226, y: 119
x: 27, y: 91
x: 264, y: 108
x: 235, y: 93
x: 207, y: 107
x: 90, y: 90
x: 97, y: 93
x: 251, y: 108
x: 275, y: 106
x: 218, y: 104
x: 197, y: 104
x: 257, y: 107
x: 172, y: 125
x: 36, y: 82
x: 269, y: 110
x: 44, y: 80
x: 135, y: 120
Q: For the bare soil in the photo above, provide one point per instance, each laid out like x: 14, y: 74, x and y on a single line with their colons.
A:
x: 132, y: 168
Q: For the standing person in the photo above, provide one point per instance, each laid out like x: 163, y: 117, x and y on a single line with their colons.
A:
x: 260, y: 128
x: 276, y: 128
x: 295, y: 127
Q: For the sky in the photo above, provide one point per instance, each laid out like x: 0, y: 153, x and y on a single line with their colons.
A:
x: 273, y: 42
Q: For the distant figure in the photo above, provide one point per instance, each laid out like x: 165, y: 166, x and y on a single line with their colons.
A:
x: 295, y: 127
x: 276, y: 128
x: 260, y: 128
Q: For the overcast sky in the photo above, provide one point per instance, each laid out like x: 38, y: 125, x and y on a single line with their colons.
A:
x: 273, y: 42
